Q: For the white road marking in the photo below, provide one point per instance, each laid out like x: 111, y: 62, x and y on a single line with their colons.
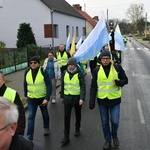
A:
x: 134, y: 75
x: 140, y: 112
x: 138, y: 48
x: 146, y: 49
x: 131, y: 48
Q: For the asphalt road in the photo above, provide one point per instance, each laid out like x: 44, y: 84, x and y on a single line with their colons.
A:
x: 134, y: 130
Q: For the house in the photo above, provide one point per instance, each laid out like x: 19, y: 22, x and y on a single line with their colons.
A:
x: 51, y: 21
x: 90, y: 22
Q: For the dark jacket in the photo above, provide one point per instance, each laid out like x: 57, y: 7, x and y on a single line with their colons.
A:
x: 93, y: 89
x: 74, y: 99
x: 18, y: 102
x: 21, y: 143
x: 47, y: 82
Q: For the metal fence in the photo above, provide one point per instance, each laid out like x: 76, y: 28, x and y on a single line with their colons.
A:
x: 12, y: 60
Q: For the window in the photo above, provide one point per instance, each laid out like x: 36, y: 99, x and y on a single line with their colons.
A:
x: 84, y: 31
x: 48, y: 30
x: 67, y: 31
x: 55, y: 31
x: 73, y: 31
x: 77, y: 31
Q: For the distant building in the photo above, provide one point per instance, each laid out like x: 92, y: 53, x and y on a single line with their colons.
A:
x: 43, y: 16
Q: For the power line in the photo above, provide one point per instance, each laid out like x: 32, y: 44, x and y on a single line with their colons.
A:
x: 116, y: 5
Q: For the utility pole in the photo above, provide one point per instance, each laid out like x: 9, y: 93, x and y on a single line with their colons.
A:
x: 107, y: 15
x: 84, y: 7
x: 145, y: 25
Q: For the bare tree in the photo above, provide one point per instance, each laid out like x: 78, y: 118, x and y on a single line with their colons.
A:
x: 135, y: 12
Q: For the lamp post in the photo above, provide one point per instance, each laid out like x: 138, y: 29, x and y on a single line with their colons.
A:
x: 52, y: 11
x: 111, y: 24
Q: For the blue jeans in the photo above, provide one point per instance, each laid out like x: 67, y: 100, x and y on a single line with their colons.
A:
x: 32, y: 108
x: 113, y: 113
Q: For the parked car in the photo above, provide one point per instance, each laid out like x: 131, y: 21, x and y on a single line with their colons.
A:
x: 130, y: 35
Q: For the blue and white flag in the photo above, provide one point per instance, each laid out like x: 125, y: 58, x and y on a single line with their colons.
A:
x: 79, y: 43
x: 94, y: 42
x: 68, y: 43
x: 119, y: 43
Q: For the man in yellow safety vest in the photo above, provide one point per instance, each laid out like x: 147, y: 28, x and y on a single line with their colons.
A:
x: 62, y: 57
x: 14, y: 97
x: 108, y: 78
x: 37, y: 89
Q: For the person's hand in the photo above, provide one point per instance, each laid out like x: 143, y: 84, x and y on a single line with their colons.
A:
x: 116, y: 82
x: 1, y: 81
x: 80, y: 102
x: 24, y: 98
x: 62, y: 100
x: 45, y: 102
x: 91, y: 107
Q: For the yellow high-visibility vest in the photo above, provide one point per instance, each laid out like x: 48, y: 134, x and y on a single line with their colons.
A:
x: 10, y: 94
x: 36, y: 89
x: 72, y: 86
x: 106, y: 86
x: 62, y: 60
x: 92, y: 59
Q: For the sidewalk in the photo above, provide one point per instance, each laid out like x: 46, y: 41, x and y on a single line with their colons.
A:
x: 144, y: 43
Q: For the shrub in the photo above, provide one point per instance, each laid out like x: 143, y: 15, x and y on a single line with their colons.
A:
x: 25, y: 36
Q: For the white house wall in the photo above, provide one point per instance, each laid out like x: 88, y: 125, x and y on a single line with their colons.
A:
x: 66, y: 20
x: 15, y: 12
x: 89, y: 28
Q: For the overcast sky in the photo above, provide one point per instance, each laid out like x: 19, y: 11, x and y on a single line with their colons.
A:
x: 116, y: 8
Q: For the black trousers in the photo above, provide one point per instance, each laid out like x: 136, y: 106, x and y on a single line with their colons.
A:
x: 67, y: 117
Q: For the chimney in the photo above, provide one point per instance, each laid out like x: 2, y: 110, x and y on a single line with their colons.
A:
x: 77, y: 6
x: 96, y: 18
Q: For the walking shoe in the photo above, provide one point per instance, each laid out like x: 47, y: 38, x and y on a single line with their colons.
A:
x: 77, y: 133
x: 46, y: 132
x: 107, y: 145
x: 65, y: 140
x: 53, y: 101
x: 116, y: 141
x: 30, y: 137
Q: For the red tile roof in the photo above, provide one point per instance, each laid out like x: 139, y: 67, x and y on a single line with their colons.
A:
x: 87, y: 17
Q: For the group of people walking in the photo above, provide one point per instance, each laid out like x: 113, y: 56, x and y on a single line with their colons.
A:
x: 40, y: 88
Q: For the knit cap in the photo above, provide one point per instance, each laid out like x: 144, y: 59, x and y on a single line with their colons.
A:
x: 105, y: 53
x: 72, y: 61
x: 35, y: 58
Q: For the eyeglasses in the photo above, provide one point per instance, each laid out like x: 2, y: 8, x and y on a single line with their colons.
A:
x: 105, y: 58
x: 33, y: 62
x: 5, y: 126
